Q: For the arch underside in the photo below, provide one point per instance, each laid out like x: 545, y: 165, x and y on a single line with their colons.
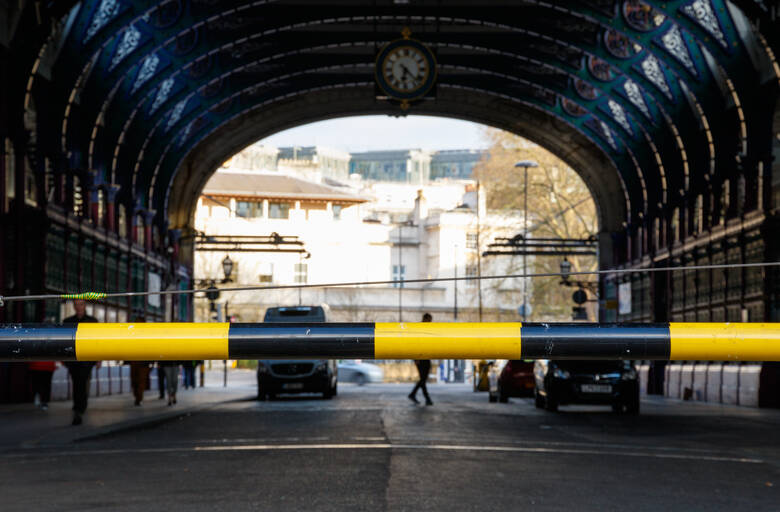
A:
x: 651, y: 107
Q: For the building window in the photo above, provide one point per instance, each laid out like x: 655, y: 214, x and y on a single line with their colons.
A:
x: 278, y: 210
x: 725, y: 197
x: 399, y: 274
x: 471, y: 240
x: 30, y: 185
x: 337, y: 211
x: 140, y: 231
x: 122, y: 221
x: 266, y: 273
x: 78, y: 198
x: 101, y: 208
x: 698, y: 214
x: 471, y: 271
x: 10, y: 173
x: 301, y: 273
x: 249, y: 209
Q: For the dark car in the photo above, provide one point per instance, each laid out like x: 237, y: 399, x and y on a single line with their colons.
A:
x: 612, y: 383
x: 277, y: 376
x: 515, y: 380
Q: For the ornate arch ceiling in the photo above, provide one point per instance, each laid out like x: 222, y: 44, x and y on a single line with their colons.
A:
x: 140, y: 84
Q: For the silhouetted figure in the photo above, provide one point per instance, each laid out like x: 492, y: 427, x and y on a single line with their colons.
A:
x: 80, y: 371
x: 40, y: 374
x: 171, y: 370
x: 423, y: 368
x: 161, y: 379
x: 139, y: 375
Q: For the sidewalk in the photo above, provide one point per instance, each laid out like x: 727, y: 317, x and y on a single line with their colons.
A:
x: 25, y: 426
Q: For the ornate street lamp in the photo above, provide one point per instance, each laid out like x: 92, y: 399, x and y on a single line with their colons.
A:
x: 565, y: 270
x: 227, y: 267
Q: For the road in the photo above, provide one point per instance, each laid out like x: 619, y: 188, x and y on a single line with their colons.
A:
x: 371, y: 449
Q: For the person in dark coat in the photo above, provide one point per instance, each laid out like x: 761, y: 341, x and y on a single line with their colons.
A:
x: 80, y: 371
x: 41, y: 373
x: 139, y: 375
x: 423, y: 369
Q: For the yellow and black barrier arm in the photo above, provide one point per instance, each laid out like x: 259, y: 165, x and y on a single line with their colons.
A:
x: 184, y: 341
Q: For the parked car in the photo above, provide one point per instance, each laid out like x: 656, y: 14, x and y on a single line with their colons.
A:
x: 515, y: 379
x: 276, y: 376
x: 612, y: 383
x: 359, y: 372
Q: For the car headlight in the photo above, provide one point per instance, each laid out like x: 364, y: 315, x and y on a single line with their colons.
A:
x: 629, y: 375
x: 561, y: 374
x: 321, y: 367
x: 262, y: 367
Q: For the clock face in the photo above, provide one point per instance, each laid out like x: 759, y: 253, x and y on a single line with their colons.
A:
x: 405, y: 69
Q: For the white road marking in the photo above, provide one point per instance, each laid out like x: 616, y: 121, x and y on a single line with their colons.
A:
x: 387, y: 446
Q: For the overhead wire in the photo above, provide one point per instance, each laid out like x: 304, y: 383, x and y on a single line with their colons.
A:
x: 192, y: 291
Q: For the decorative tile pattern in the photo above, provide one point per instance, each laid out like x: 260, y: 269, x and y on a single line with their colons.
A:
x: 571, y: 108
x: 176, y: 114
x: 620, y: 115
x: 608, y: 135
x: 703, y: 13
x: 162, y: 94
x: 107, y: 10
x: 653, y: 72
x: 635, y: 96
x: 130, y: 39
x: 186, y: 133
x: 148, y: 67
x: 674, y: 44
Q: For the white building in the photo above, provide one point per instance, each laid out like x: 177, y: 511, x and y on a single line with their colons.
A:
x: 366, y: 233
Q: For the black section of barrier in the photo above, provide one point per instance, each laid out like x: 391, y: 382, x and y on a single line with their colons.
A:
x: 595, y: 341
x: 307, y: 341
x: 37, y: 342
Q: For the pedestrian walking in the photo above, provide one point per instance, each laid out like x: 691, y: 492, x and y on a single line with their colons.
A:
x: 161, y: 379
x: 188, y: 370
x: 139, y: 374
x: 41, y: 373
x: 80, y: 371
x: 171, y: 371
x: 423, y: 369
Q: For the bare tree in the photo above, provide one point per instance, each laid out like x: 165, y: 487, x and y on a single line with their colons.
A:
x: 559, y: 206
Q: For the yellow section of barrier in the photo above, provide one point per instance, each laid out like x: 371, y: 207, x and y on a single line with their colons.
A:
x: 724, y: 341
x: 425, y: 340
x: 152, y: 342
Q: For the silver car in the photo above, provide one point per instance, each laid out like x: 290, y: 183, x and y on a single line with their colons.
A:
x: 360, y: 373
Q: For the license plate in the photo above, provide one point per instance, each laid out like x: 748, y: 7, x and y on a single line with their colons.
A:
x: 293, y: 385
x: 596, y: 388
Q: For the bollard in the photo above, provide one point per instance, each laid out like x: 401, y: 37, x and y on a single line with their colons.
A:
x: 425, y: 340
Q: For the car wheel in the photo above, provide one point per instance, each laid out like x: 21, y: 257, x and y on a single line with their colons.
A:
x: 632, y: 406
x: 328, y: 393
x: 360, y: 380
x: 538, y: 400
x: 492, y: 398
x: 550, y: 403
x: 502, y: 397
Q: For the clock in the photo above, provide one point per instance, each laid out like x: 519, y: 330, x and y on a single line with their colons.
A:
x: 405, y: 69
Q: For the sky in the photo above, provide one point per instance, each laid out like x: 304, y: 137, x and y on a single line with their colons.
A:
x: 368, y: 133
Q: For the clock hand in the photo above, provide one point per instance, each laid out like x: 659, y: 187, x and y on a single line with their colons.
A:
x: 406, y: 71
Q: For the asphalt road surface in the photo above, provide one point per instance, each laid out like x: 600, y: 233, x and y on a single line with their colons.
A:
x: 371, y: 449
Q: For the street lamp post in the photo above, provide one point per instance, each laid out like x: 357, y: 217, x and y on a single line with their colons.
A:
x: 525, y: 164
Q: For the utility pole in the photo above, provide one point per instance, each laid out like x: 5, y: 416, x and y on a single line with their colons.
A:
x: 400, y: 269
x: 479, y: 260
x: 525, y: 164
x: 455, y: 310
